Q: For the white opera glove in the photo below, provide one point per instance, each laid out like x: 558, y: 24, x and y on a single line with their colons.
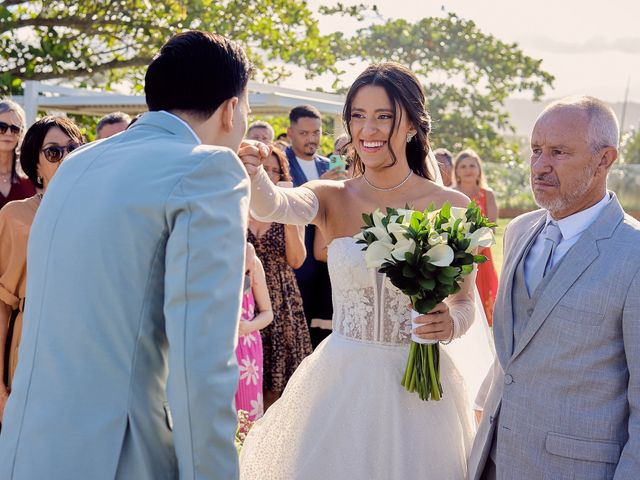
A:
x: 291, y: 206
x: 462, y: 313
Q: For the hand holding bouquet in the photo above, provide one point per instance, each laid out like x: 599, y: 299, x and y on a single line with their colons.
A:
x: 425, y: 255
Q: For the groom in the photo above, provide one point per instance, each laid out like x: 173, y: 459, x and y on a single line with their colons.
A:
x: 564, y: 402
x: 135, y: 267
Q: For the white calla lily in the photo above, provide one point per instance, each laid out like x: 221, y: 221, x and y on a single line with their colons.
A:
x: 398, y: 230
x: 403, y: 246
x: 377, y: 253
x: 438, y: 239
x: 380, y: 233
x: 377, y: 217
x: 440, y: 255
x: 458, y: 213
x: 359, y: 236
x: 481, y: 238
x: 406, y: 213
x: 431, y: 216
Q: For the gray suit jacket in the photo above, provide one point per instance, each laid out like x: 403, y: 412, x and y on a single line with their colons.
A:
x: 568, y: 394
x: 134, y: 278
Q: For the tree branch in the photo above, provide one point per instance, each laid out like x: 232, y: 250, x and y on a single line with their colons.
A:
x: 80, y: 72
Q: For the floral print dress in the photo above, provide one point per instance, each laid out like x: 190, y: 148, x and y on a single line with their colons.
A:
x: 286, y: 340
x: 249, y: 356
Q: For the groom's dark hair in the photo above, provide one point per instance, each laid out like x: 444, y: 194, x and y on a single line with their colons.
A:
x: 196, y: 72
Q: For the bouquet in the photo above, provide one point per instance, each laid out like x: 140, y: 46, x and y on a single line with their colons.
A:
x: 425, y: 255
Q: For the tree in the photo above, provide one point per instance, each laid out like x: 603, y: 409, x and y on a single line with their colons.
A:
x: 631, y: 147
x: 105, y: 41
x: 467, y: 76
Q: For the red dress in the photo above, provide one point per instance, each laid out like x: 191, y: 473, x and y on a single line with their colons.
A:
x: 487, y: 278
x: 20, y: 189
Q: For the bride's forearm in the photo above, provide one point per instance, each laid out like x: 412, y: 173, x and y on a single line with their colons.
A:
x: 462, y: 306
x: 270, y: 203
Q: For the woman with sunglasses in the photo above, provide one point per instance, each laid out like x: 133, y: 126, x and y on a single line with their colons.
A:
x: 12, y: 185
x: 285, y: 341
x: 45, y: 146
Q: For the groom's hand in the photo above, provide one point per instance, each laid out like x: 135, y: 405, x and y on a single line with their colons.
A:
x: 252, y: 153
x: 435, y: 325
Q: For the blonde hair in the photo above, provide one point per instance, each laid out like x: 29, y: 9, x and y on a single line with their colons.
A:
x: 469, y: 153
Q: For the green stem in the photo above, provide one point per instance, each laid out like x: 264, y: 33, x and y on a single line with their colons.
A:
x: 408, y: 371
x: 435, y: 387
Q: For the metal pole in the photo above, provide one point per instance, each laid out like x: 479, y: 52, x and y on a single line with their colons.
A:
x: 31, y: 92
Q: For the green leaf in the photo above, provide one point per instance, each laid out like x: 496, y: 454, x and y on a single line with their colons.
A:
x: 408, y: 271
x: 479, y: 258
x: 427, y: 283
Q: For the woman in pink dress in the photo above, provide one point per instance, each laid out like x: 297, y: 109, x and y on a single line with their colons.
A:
x: 249, y: 349
x: 467, y: 169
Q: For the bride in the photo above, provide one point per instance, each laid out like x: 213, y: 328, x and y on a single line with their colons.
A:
x: 344, y: 414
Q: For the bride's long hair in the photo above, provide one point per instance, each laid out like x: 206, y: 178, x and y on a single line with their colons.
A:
x: 404, y: 89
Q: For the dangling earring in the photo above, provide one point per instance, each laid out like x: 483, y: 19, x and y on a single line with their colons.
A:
x: 39, y: 180
x: 409, y: 137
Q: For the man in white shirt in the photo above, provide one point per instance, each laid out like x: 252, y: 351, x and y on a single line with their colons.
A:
x: 564, y: 401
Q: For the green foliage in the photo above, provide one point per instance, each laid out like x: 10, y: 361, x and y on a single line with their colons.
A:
x: 631, y: 147
x: 104, y: 41
x: 467, y: 76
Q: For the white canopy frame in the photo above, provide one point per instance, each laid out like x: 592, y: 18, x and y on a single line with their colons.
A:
x: 265, y: 100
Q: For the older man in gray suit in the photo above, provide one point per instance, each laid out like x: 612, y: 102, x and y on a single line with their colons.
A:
x: 564, y: 402
x: 135, y: 267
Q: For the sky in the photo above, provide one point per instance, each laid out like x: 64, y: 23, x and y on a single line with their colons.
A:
x: 591, y: 47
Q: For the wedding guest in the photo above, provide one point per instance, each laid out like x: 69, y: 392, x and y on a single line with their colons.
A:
x: 135, y: 271
x: 305, y: 133
x: 260, y: 131
x: 281, y: 248
x: 111, y: 124
x: 13, y: 186
x: 256, y: 315
x: 470, y: 180
x: 565, y: 396
x: 46, y: 144
x: 445, y: 164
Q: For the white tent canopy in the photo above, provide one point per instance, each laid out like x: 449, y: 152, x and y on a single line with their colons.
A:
x: 264, y: 100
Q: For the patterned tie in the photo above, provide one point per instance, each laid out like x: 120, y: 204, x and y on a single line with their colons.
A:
x: 552, y: 237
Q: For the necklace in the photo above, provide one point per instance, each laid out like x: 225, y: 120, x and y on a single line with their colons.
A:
x: 390, y: 189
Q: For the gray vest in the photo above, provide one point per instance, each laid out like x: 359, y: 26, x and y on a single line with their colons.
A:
x: 523, y: 305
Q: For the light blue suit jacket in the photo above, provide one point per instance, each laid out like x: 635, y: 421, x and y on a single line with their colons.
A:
x: 135, y: 267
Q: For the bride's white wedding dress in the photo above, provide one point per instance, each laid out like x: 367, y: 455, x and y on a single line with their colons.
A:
x: 344, y: 414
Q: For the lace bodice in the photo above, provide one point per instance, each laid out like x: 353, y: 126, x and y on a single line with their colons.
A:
x: 366, y: 306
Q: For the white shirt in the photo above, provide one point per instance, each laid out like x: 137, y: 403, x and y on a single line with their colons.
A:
x: 309, y: 168
x: 571, y: 228
x: 184, y: 123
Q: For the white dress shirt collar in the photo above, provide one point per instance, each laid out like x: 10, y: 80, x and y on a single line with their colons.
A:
x: 578, y: 222
x: 184, y: 123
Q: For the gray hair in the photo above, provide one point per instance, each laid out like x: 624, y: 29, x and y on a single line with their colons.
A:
x: 113, y: 118
x: 7, y: 105
x: 604, y: 130
x: 261, y: 124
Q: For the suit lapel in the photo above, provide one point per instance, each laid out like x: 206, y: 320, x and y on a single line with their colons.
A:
x: 574, y: 263
x: 506, y: 282
x: 297, y: 175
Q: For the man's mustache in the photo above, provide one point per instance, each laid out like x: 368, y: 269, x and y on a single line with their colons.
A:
x: 548, y: 179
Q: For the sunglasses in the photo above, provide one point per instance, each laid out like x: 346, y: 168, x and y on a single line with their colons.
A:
x: 55, y: 154
x: 15, y: 129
